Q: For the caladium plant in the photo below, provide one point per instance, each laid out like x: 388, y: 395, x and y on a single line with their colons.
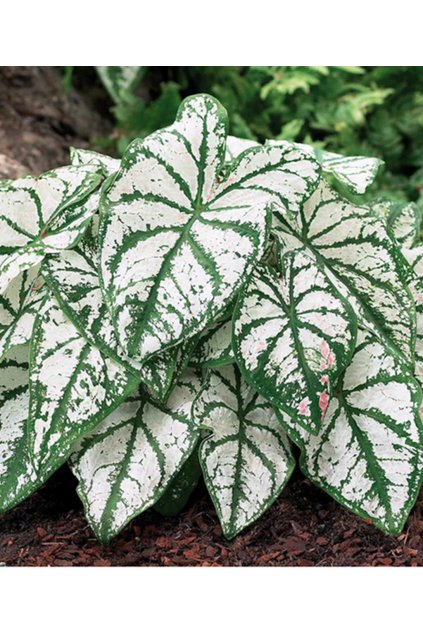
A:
x: 200, y: 307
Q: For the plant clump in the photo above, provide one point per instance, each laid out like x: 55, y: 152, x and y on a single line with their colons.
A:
x: 195, y: 310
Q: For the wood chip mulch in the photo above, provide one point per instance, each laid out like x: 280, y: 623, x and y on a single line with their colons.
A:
x: 303, y: 528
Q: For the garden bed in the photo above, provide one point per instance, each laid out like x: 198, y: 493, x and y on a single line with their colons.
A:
x: 303, y: 528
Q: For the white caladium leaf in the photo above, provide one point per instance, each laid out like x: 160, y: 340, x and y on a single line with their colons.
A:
x: 173, y: 255
x: 283, y: 173
x: 107, y: 164
x: 31, y: 207
x: 73, y: 386
x: 16, y: 263
x: 214, y: 347
x: 119, y: 80
x: 18, y: 478
x: 368, y: 454
x: 235, y: 147
x: 294, y: 334
x: 126, y: 464
x: 415, y: 259
x: 66, y: 230
x: 404, y: 220
x: 72, y: 277
x: 357, y: 173
x: 353, y: 244
x: 205, y: 233
x: 19, y: 306
x: 28, y: 204
x: 246, y: 460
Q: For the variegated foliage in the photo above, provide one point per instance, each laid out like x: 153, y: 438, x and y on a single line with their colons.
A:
x: 128, y: 461
x: 42, y: 215
x: 403, y: 220
x: 176, y: 240
x: 72, y: 386
x: 73, y: 279
x: 368, y: 453
x: 188, y: 309
x: 246, y: 459
x: 214, y: 347
x: 415, y: 259
x: 19, y: 305
x: 356, y: 173
x: 358, y: 253
x: 119, y: 81
x: 294, y: 335
x: 18, y: 478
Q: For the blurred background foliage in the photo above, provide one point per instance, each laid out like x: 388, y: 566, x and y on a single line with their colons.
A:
x: 353, y: 110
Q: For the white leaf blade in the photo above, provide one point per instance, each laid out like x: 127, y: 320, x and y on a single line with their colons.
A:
x: 29, y: 204
x: 279, y: 172
x: 187, y: 258
x: 18, y: 478
x: 126, y: 464
x: 72, y: 387
x: 362, y: 261
x: 293, y: 336
x: 58, y: 200
x: 368, y: 453
x: 246, y: 460
x: 357, y: 173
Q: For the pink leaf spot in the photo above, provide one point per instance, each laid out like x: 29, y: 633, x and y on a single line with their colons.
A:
x: 325, y: 349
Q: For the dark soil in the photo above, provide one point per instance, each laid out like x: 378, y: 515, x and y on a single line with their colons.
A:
x: 38, y: 122
x: 303, y: 528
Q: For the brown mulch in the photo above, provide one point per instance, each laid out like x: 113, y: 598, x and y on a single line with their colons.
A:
x: 303, y: 528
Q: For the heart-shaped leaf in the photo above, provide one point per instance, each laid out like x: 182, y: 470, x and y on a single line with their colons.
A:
x: 176, y: 242
x: 368, y: 454
x: 73, y: 387
x: 246, y: 460
x: 293, y: 336
x: 126, y: 464
x: 361, y: 258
